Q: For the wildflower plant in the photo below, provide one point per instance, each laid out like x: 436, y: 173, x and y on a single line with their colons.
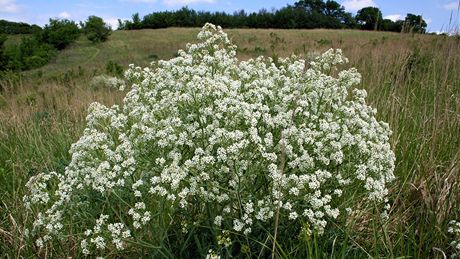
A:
x: 454, y: 230
x: 105, y: 81
x: 207, y: 151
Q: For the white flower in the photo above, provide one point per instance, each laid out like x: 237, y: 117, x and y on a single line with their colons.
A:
x: 293, y: 215
x: 218, y: 221
x: 212, y: 255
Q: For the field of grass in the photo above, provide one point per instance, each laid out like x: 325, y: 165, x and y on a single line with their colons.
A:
x: 412, y: 80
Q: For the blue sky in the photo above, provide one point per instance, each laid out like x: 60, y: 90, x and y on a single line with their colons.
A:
x: 437, y: 13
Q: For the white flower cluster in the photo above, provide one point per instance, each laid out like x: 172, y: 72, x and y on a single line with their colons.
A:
x: 38, y: 188
x: 140, y: 216
x: 102, y: 233
x: 246, y: 138
x: 107, y: 81
x: 212, y: 255
x: 454, y: 229
x: 224, y: 239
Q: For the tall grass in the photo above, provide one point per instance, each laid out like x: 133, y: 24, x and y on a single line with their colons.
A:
x: 416, y: 88
x: 413, y: 81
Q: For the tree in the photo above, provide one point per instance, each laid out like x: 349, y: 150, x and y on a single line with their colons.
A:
x: 60, y: 33
x: 336, y: 13
x: 334, y: 9
x: 34, y: 54
x: 28, y: 54
x: 96, y: 30
x: 8, y: 27
x: 320, y: 14
x: 349, y: 21
x: 389, y: 25
x: 369, y: 18
x: 311, y: 6
x: 136, y: 24
x: 121, y: 24
x: 414, y: 23
x: 3, y: 57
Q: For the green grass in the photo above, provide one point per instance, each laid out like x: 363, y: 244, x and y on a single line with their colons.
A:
x: 412, y: 80
x: 137, y: 47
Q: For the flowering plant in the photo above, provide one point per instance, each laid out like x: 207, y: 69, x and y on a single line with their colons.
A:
x: 454, y: 230
x: 203, y: 142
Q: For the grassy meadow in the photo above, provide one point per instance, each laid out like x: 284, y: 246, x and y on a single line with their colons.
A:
x: 412, y: 80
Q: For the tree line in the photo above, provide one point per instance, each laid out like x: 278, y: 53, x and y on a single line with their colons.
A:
x: 304, y: 14
x: 7, y: 27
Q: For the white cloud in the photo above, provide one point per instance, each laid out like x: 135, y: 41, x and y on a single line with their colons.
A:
x: 355, y: 5
x: 186, y: 2
x: 113, y: 22
x: 393, y: 17
x: 64, y: 15
x: 451, y: 6
x: 428, y: 20
x: 8, y: 6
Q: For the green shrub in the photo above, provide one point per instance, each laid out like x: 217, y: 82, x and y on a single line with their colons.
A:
x: 60, y: 33
x: 323, y: 42
x: 153, y: 56
x: 29, y: 54
x: 95, y: 29
x: 259, y: 50
x: 3, y: 57
x: 3, y: 101
x: 113, y: 68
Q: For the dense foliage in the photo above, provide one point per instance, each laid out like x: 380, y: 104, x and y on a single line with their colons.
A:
x: 59, y: 33
x: 369, y: 18
x: 304, y: 14
x: 38, y: 49
x: 30, y: 53
x: 211, y: 153
x: 415, y: 23
x: 9, y: 27
x: 3, y: 58
x: 95, y: 29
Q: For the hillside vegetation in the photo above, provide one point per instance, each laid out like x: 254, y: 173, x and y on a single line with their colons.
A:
x: 412, y: 80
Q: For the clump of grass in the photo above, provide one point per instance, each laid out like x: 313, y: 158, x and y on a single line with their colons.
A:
x: 114, y: 69
x: 259, y: 50
x: 324, y: 42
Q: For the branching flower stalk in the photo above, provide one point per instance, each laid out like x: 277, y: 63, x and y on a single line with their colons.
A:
x: 206, y: 140
x: 282, y: 164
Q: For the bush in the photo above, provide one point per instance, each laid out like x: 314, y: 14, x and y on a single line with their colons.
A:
x: 114, y: 69
x: 3, y: 57
x: 60, y: 33
x: 29, y: 54
x: 209, y: 153
x: 96, y: 30
x: 37, y: 50
x: 105, y: 81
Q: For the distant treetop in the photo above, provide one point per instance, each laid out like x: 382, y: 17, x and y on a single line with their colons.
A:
x: 8, y: 27
x: 304, y: 14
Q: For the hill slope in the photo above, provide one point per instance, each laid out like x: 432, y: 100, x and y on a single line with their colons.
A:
x: 143, y: 46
